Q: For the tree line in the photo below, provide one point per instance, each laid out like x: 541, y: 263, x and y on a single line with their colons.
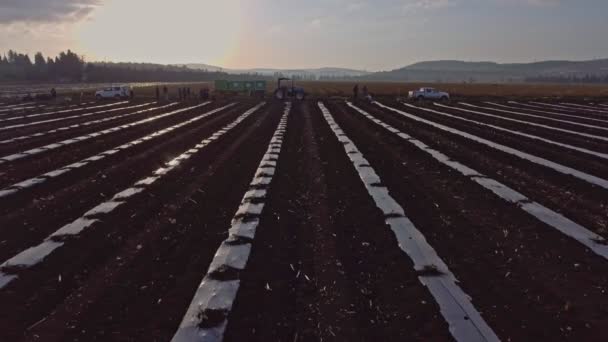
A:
x: 70, y: 67
x: 67, y: 66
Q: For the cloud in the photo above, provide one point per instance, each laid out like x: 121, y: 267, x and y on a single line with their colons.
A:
x: 356, y: 6
x: 45, y: 11
x: 536, y: 3
x: 543, y: 2
x: 420, y: 5
x: 315, y: 23
x: 275, y: 29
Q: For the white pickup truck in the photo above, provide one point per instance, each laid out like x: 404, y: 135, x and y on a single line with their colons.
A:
x: 428, y: 94
x: 114, y: 92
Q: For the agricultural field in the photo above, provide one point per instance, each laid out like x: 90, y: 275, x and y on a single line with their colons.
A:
x: 479, y: 90
x: 322, y: 220
x: 592, y: 92
x: 12, y: 92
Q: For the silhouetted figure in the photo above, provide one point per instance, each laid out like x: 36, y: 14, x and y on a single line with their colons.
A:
x: 365, y: 91
x: 356, y: 92
x: 157, y: 93
x: 166, y: 93
x: 53, y: 93
x: 131, y: 94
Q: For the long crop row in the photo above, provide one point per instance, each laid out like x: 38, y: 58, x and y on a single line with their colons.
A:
x: 329, y: 220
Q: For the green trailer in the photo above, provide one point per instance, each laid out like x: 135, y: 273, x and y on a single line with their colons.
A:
x: 240, y: 87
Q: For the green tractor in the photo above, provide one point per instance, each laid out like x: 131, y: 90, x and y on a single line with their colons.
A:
x: 284, y: 92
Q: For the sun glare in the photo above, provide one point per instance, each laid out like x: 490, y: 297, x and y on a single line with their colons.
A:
x: 163, y: 32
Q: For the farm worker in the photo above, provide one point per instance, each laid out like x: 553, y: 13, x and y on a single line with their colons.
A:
x: 355, y: 92
x: 131, y: 94
x: 53, y: 93
x: 365, y: 92
x: 166, y: 92
x: 157, y: 94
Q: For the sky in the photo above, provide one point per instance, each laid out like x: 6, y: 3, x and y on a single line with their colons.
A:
x: 360, y: 34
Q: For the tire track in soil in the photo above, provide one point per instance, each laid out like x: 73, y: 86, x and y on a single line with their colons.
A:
x: 90, y: 110
x: 578, y: 141
x: 530, y: 281
x: 530, y: 120
x: 594, y: 159
x: 50, y: 108
x: 33, y: 182
x: 575, y: 106
x: 349, y: 280
x: 32, y: 215
x: 537, y: 109
x: 591, y: 240
x: 46, y: 161
x: 577, y: 200
x: 34, y: 126
x: 26, y: 142
x: 563, y: 108
x: 540, y: 116
x: 583, y: 105
x: 154, y: 248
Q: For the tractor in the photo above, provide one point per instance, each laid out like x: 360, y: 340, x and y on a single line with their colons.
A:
x: 284, y: 92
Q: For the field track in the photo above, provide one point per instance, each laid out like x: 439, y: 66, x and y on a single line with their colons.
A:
x: 245, y: 220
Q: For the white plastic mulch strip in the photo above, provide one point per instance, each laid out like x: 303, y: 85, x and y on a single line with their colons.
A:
x: 207, y: 314
x: 538, y: 106
x: 589, y: 108
x: 84, y: 124
x: 562, y: 107
x: 531, y: 136
x: 26, y: 184
x: 15, y: 108
x: 586, y: 135
x: 545, y: 111
x: 17, y: 105
x: 28, y: 116
x: 593, y: 241
x: 55, y: 106
x: 465, y: 322
x: 83, y: 115
x: 37, y: 254
x: 536, y: 116
x: 49, y: 147
x: 523, y: 155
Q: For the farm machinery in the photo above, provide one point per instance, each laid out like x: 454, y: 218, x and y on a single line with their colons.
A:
x: 284, y: 91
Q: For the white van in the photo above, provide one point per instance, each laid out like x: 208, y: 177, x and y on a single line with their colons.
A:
x: 114, y: 92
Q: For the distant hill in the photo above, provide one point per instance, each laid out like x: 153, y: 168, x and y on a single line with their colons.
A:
x: 318, y: 73
x: 592, y: 71
x: 460, y: 71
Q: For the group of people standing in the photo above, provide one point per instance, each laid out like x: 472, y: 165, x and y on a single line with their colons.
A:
x: 184, y: 93
x: 365, y: 92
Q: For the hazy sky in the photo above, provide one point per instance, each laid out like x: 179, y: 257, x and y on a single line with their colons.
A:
x: 363, y: 34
